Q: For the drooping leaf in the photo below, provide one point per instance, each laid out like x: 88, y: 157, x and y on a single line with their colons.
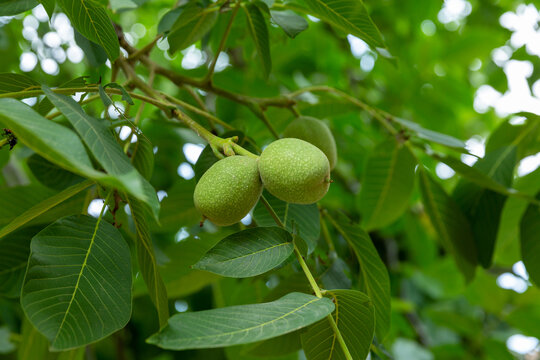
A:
x: 92, y: 21
x: 530, y: 242
x: 449, y: 223
x: 11, y: 82
x: 248, y: 253
x: 373, y: 273
x: 167, y: 21
x: 106, y: 150
x: 388, y: 184
x: 355, y: 319
x: 14, y: 7
x: 51, y: 175
x: 483, y: 207
x: 105, y: 98
x: 44, y: 206
x: 192, y: 24
x: 431, y: 135
x: 259, y: 33
x: 77, y: 288
x: 45, y: 104
x: 125, y: 95
x: 147, y: 261
x: 143, y: 156
x: 33, y: 345
x: 303, y: 220
x: 291, y: 23
x: 349, y: 15
x: 13, y: 258
x: 241, y: 324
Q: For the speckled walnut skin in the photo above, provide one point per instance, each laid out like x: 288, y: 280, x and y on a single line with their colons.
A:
x: 315, y: 132
x: 228, y: 190
x: 295, y: 171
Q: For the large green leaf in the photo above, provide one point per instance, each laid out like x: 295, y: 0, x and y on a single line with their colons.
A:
x: 13, y: 258
x: 241, y: 324
x: 431, y: 135
x: 105, y: 149
x: 147, y: 261
x: 530, y: 242
x: 373, y: 274
x: 303, y: 220
x: 45, y: 104
x: 92, y: 21
x: 14, y: 7
x: 483, y: 207
x: 355, y: 319
x: 77, y: 288
x: 259, y: 33
x: 291, y: 23
x: 43, y: 207
x: 248, y: 253
x: 192, y: 24
x: 51, y: 175
x: 349, y: 15
x: 10, y: 82
x: 450, y: 224
x: 388, y: 184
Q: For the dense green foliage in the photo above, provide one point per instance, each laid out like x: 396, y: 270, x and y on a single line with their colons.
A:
x: 423, y: 245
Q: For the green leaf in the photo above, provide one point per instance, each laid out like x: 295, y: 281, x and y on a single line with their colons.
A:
x: 11, y: 82
x: 93, y: 52
x: 51, y: 175
x: 302, y: 220
x: 125, y: 95
x: 524, y: 136
x: 105, y: 99
x: 291, y: 23
x: 77, y: 288
x: 45, y: 104
x: 49, y: 6
x: 483, y: 207
x: 248, y: 253
x: 33, y: 345
x: 449, y: 223
x: 14, y: 7
x: 355, y: 319
x: 122, y: 4
x: 92, y: 21
x: 373, y: 273
x: 13, y: 258
x: 143, y: 156
x: 388, y: 184
x: 167, y: 21
x: 259, y: 33
x: 431, y: 135
x: 147, y: 261
x: 278, y: 346
x: 177, y: 208
x: 530, y: 242
x: 192, y: 24
x: 241, y: 324
x: 349, y: 15
x: 43, y: 206
x: 106, y: 150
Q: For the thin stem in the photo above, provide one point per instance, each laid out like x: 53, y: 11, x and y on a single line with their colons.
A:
x: 311, y: 280
x: 208, y: 77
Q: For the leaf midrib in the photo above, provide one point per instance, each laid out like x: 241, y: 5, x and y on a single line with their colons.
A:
x: 93, y: 25
x: 76, y: 288
x: 254, y: 253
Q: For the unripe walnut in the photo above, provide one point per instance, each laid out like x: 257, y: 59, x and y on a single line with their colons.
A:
x: 295, y: 171
x: 228, y: 190
x: 315, y: 132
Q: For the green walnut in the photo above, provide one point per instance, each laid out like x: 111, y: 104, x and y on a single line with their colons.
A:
x: 228, y: 190
x: 315, y: 132
x: 295, y: 171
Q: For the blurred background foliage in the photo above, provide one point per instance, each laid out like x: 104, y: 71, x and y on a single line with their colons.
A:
x: 463, y: 66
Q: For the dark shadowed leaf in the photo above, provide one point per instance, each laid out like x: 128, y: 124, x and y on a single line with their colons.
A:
x: 355, y: 319
x: 14, y: 7
x: 143, y: 156
x: 77, y: 288
x: 278, y: 346
x: 51, y: 175
x: 259, y: 33
x: 291, y: 23
x: 530, y: 242
x: 241, y: 324
x: 449, y: 223
x: 373, y: 273
x: 248, y: 253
